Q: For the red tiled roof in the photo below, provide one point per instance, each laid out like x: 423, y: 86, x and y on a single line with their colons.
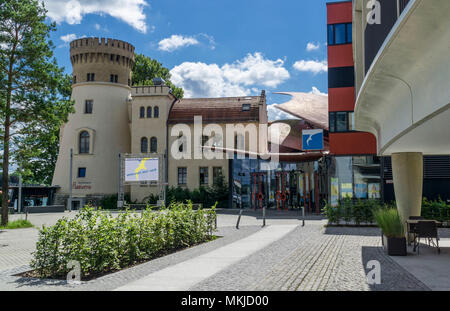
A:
x: 217, y: 110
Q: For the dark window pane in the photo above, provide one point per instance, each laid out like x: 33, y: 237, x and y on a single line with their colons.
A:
x: 341, y: 121
x: 203, y: 175
x: 156, y: 112
x: 84, y: 142
x: 330, y: 34
x: 144, y: 145
x: 153, y: 145
x: 149, y: 112
x: 88, y: 106
x: 332, y: 120
x: 142, y: 112
x: 349, y: 33
x: 341, y: 77
x: 81, y: 172
x: 182, y: 175
x: 339, y: 33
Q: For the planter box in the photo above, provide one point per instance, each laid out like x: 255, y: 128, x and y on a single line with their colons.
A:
x: 395, y: 246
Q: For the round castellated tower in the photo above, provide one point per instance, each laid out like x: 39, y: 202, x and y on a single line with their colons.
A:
x: 99, y: 128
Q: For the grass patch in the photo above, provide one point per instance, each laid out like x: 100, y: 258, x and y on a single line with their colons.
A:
x: 18, y: 224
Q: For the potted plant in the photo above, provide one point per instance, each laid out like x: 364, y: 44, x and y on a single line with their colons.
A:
x: 394, y: 239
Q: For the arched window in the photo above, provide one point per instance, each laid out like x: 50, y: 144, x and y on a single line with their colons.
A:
x: 153, y: 145
x: 149, y: 112
x: 144, y: 145
x: 156, y: 112
x: 84, y: 142
x: 142, y: 112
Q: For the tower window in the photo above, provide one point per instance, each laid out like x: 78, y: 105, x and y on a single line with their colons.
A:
x: 91, y: 76
x: 88, y: 106
x: 153, y: 145
x: 81, y: 172
x: 113, y: 78
x: 142, y: 112
x: 74, y: 80
x: 156, y: 112
x: 111, y: 57
x: 149, y: 112
x: 84, y: 142
x: 144, y: 145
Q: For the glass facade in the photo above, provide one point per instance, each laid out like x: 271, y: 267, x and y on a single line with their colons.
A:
x: 287, y: 186
x: 355, y: 177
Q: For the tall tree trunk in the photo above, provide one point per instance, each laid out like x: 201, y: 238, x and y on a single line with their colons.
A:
x: 5, y: 186
x: 5, y: 177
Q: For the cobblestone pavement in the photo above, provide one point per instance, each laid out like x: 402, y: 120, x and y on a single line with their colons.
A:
x: 314, y: 258
x: 309, y: 258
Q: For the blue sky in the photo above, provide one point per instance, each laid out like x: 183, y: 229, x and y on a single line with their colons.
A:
x: 213, y: 47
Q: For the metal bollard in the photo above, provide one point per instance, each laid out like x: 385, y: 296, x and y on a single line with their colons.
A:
x: 264, y: 216
x: 239, y: 219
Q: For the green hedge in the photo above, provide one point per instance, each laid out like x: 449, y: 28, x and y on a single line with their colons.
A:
x: 361, y: 211
x: 349, y: 211
x: 102, y: 243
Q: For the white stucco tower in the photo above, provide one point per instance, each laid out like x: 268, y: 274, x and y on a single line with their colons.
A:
x: 99, y: 128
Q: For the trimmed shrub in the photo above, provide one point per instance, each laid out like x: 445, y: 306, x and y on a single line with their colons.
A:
x: 102, y: 243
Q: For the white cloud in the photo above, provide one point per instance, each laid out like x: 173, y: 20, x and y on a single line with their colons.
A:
x: 236, y: 79
x: 275, y: 114
x: 316, y: 91
x: 311, y: 66
x: 72, y: 12
x: 176, y: 42
x: 312, y: 47
x: 69, y: 37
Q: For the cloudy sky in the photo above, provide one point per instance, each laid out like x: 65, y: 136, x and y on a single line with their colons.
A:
x: 213, y: 48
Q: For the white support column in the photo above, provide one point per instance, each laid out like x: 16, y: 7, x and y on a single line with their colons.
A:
x: 407, y: 169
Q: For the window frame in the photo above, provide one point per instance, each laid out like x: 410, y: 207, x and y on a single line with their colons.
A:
x: 149, y: 112
x: 203, y: 170
x: 331, y: 32
x: 183, y: 175
x: 84, y: 142
x: 153, y: 145
x: 91, y: 107
x: 332, y: 121
x: 142, y: 112
x: 144, y: 140
x: 156, y: 112
x: 81, y: 169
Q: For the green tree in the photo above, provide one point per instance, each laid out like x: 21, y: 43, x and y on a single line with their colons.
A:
x: 146, y: 69
x: 30, y: 83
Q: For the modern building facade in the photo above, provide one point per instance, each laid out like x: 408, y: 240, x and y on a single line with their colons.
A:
x: 402, y: 69
x: 353, y: 167
x: 358, y: 167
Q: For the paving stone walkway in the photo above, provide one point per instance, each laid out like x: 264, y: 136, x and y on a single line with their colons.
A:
x: 305, y: 259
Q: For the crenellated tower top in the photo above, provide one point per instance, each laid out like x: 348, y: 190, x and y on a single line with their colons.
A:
x: 101, y: 60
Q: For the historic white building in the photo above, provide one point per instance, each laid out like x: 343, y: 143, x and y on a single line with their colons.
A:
x: 111, y: 117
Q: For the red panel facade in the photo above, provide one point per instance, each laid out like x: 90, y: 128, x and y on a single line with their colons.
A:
x: 340, y: 56
x: 352, y: 143
x: 341, y: 99
x: 340, y: 12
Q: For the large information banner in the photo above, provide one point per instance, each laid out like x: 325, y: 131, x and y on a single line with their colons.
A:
x: 141, y: 169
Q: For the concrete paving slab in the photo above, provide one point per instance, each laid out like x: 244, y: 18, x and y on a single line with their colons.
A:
x: 188, y: 273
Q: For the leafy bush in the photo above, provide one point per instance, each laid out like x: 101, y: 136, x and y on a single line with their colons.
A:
x: 390, y: 223
x: 347, y: 209
x: 332, y: 213
x: 110, y: 201
x: 102, y: 243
